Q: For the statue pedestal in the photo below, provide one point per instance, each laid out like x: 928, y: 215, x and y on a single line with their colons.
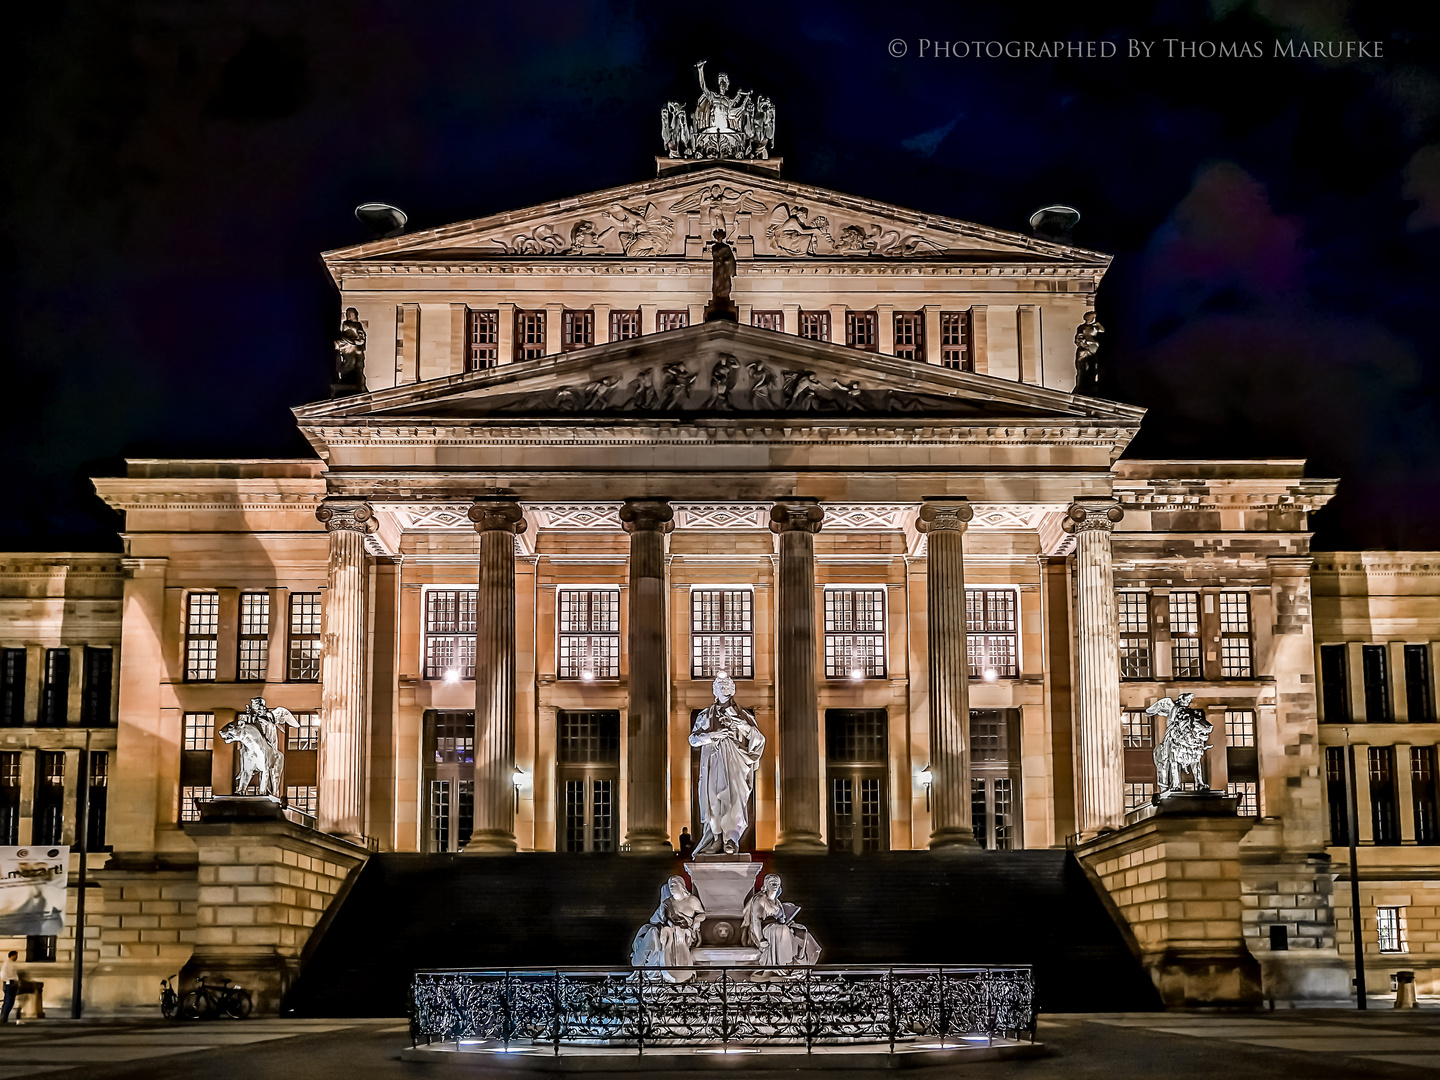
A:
x: 721, y: 311
x: 223, y: 808
x: 723, y: 882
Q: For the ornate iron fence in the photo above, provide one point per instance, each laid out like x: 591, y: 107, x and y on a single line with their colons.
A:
x: 720, y: 1005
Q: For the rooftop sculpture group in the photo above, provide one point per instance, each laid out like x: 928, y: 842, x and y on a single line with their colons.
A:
x: 722, y: 125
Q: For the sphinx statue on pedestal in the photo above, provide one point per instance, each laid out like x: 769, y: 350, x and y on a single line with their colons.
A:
x: 673, y: 931
x: 730, y: 748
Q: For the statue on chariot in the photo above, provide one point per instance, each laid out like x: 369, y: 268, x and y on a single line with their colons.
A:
x: 722, y: 125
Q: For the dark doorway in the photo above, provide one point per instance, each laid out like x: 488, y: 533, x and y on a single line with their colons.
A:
x: 588, y: 779
x: 855, y: 780
x: 449, y: 779
x: 995, y: 778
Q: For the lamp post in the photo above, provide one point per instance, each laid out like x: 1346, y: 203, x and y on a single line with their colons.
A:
x: 1352, y: 829
x: 82, y: 840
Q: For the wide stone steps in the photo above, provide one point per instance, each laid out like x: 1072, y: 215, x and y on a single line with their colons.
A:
x: 425, y: 911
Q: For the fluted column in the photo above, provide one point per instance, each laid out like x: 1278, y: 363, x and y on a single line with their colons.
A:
x: 341, y: 765
x: 498, y: 521
x: 1102, y: 759
x: 943, y: 521
x: 797, y: 521
x: 647, y: 521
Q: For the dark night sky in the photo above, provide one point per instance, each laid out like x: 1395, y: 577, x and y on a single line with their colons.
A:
x: 172, y: 170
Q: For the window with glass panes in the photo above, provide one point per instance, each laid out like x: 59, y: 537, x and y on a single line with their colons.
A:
x: 1185, y: 635
x: 1235, y: 644
x: 854, y: 633
x: 860, y: 330
x: 910, y: 335
x: 450, y: 633
x: 202, y: 628
x: 1138, y: 794
x: 1133, y: 609
x: 49, y: 824
x: 9, y: 798
x: 254, y: 636
x: 306, y: 736
x: 1384, y: 801
x: 97, y: 687
x: 199, y: 731
x: 624, y: 325
x: 577, y: 330
x: 529, y: 335
x: 1240, y: 727
x: 589, y: 737
x: 12, y: 687
x: 589, y: 646
x: 303, y: 798
x: 815, y: 325
x: 1242, y: 762
x: 1334, y: 684
x: 1247, y: 792
x: 484, y: 335
x: 55, y: 691
x: 1138, y: 743
x: 1375, y: 671
x: 97, y: 804
x: 1423, y: 795
x: 1337, y: 795
x: 304, y: 644
x: 768, y: 320
x: 1419, y: 695
x: 992, y: 633
x: 955, y: 341
x: 1390, y: 929
x: 671, y: 320
x: 191, y: 796
x: 722, y: 633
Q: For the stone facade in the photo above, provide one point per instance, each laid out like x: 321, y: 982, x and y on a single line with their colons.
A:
x: 500, y: 588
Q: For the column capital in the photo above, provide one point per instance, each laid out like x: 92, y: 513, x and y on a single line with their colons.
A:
x: 497, y: 514
x: 940, y: 515
x: 347, y: 514
x: 1091, y: 514
x: 647, y: 515
x: 796, y: 515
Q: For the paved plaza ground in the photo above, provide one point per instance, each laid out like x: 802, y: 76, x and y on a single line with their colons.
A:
x: 1313, y: 1044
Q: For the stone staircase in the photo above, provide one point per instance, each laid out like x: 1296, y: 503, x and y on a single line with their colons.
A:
x: 426, y: 911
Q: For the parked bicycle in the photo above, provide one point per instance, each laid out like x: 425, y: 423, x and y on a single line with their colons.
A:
x: 169, y: 1000
x: 210, y: 1002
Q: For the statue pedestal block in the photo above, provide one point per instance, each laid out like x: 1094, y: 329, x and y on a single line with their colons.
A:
x: 721, y: 311
x: 723, y: 882
x: 241, y: 808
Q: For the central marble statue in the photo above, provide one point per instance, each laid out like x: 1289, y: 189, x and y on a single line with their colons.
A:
x: 730, y: 748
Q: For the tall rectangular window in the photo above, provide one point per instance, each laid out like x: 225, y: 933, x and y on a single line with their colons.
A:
x: 722, y: 633
x: 955, y: 341
x: 1185, y: 635
x: 98, y: 802
x: 254, y: 659
x: 199, y: 731
x: 768, y: 320
x: 12, y: 687
x: 450, y: 633
x: 49, y: 798
x: 854, y: 633
x: 1390, y: 929
x: 440, y: 814
x: 624, y: 325
x: 304, y: 644
x: 9, y: 798
x: 1337, y: 795
x: 1335, y: 684
x: 860, y: 331
x: 529, y: 335
x: 1242, y: 760
x: 307, y: 735
x: 55, y: 693
x: 1240, y: 728
x: 1384, y: 804
x: 1235, y: 644
x: 577, y: 330
x: 589, y: 646
x: 1138, y: 740
x: 992, y: 633
x: 197, y: 741
x: 671, y: 320
x: 202, y: 627
x: 910, y: 335
x: 1375, y: 668
x: 484, y: 335
x: 96, y: 690
x: 1419, y: 695
x: 815, y: 325
x: 1134, y: 612
x: 1423, y: 794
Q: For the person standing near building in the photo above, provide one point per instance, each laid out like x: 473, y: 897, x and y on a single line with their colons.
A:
x: 10, y: 981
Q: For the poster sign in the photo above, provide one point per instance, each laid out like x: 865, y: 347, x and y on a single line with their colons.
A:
x: 32, y: 890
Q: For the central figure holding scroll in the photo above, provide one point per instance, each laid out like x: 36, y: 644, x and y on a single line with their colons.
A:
x: 730, y: 748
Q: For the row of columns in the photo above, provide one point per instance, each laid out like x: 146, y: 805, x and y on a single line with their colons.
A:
x: 498, y: 520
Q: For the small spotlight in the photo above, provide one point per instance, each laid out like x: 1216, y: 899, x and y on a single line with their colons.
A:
x: 990, y: 674
x: 518, y: 777
x: 587, y: 675
x: 857, y: 674
x: 452, y: 675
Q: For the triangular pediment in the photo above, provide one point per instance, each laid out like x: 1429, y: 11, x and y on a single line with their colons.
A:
x: 717, y: 370
x: 674, y: 216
